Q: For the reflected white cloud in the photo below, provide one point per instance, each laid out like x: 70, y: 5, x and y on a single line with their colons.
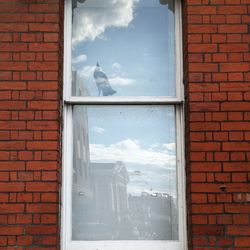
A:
x: 116, y: 65
x: 79, y: 59
x: 96, y: 19
x: 121, y: 81
x: 169, y: 146
x: 98, y: 130
x: 130, y: 151
x: 152, y: 180
x: 115, y: 80
x: 87, y: 72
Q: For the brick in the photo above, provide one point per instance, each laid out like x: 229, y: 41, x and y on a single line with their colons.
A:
x: 11, y: 208
x: 42, y: 66
x: 27, y: 56
x: 204, y: 106
x: 237, y: 208
x: 225, y: 242
x: 5, y: 75
x: 45, y: 27
x: 13, y: 47
x: 193, y: 48
x: 235, y: 126
x: 203, y: 67
x: 201, y: 10
x: 218, y: 19
x: 41, y: 230
x: 236, y: 166
x: 204, y: 126
x: 233, y: 47
x: 42, y: 208
x: 11, y: 230
x: 208, y: 230
x: 232, y: 28
x: 236, y: 146
x: 242, y: 242
x: 205, y: 187
x: 28, y: 76
x: 206, y: 167
x: 41, y: 125
x: 44, y: 8
x: 13, y: 66
x: 12, y: 145
x: 49, y: 197
x: 42, y: 85
x: 224, y: 219
x: 205, y: 146
x: 38, y: 47
x: 235, y: 106
x: 238, y: 230
x: 12, y: 165
x: 24, y: 240
x: 202, y: 28
x: 13, y: 27
x: 232, y: 9
x: 234, y: 67
x: 51, y: 37
x: 12, y: 125
x: 41, y: 186
x: 42, y: 165
x: 42, y: 105
x: 24, y: 197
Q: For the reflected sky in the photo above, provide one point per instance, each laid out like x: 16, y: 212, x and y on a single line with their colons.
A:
x: 143, y: 138
x: 133, y: 41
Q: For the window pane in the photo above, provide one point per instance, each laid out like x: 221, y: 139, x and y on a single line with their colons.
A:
x: 123, y: 48
x: 124, y: 173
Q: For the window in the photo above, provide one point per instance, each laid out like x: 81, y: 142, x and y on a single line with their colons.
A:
x: 123, y: 174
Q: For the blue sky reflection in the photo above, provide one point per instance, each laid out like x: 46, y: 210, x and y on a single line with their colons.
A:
x: 133, y: 41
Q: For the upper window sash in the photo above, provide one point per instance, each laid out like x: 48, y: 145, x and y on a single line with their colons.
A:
x: 70, y: 99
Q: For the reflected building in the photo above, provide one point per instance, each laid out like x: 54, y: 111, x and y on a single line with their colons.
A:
x: 154, y: 216
x: 81, y: 157
x: 81, y: 190
x: 104, y: 214
x: 99, y: 190
x: 109, y: 183
x: 78, y: 86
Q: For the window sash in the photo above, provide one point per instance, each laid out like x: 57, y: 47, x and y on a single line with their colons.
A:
x: 68, y: 244
x: 69, y: 101
x: 67, y: 95
x: 141, y: 100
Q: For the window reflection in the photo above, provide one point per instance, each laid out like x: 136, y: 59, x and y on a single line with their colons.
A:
x: 133, y: 41
x: 124, y: 173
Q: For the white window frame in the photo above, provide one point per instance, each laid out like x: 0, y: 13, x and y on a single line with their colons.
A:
x: 67, y: 158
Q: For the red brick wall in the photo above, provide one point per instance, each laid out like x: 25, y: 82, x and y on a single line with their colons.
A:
x: 218, y: 122
x: 216, y: 69
x: 29, y: 123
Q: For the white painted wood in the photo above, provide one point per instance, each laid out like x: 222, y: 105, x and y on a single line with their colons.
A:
x: 124, y: 100
x: 181, y: 174
x: 67, y: 49
x: 179, y: 53
x: 67, y: 177
x: 126, y: 245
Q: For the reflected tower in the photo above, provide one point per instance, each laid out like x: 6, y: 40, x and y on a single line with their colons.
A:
x: 102, y: 82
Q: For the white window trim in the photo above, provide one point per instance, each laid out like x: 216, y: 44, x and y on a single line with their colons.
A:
x: 66, y: 242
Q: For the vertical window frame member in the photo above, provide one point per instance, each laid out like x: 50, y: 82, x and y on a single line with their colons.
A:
x: 67, y: 152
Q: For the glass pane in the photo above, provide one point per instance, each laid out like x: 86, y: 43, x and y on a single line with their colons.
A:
x: 124, y: 173
x: 123, y: 48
